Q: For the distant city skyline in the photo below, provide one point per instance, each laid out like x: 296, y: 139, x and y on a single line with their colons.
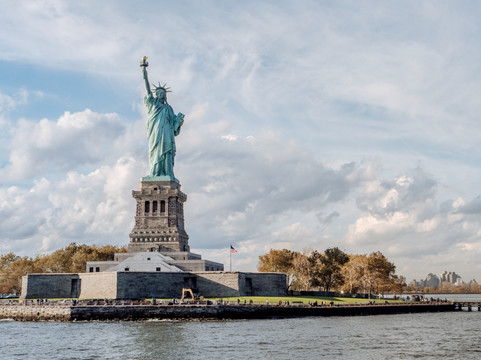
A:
x: 307, y: 125
x: 433, y: 280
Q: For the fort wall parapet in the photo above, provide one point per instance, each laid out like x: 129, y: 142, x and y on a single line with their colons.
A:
x: 145, y: 284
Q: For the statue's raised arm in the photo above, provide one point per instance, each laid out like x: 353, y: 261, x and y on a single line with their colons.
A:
x: 144, y: 65
x: 162, y: 127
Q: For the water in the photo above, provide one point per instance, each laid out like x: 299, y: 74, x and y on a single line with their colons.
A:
x: 454, y: 335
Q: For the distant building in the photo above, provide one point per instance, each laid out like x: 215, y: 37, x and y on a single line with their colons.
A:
x: 450, y: 277
x: 431, y: 280
x: 434, y: 281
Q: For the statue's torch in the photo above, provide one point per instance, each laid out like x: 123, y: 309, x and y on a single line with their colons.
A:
x: 144, y: 62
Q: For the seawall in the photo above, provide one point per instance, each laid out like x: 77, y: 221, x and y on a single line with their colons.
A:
x: 35, y: 312
x: 143, y: 312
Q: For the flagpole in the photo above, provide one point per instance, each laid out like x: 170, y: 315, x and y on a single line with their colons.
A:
x: 230, y: 262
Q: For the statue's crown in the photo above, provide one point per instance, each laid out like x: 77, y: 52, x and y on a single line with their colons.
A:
x: 166, y: 89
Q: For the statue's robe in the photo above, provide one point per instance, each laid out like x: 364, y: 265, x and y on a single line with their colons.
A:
x: 162, y: 126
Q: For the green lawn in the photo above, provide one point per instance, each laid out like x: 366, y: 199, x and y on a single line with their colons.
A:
x: 305, y: 299
x: 275, y: 299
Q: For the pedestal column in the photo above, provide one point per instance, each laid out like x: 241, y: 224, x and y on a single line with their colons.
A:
x: 159, y: 218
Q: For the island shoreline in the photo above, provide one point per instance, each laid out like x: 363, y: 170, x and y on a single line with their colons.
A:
x: 205, y: 312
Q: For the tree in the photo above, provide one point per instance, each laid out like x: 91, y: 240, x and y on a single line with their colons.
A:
x: 373, y: 273
x: 474, y: 287
x: 276, y: 261
x: 301, y: 268
x: 73, y: 258
x: 86, y: 253
x: 446, y: 287
x: 368, y: 273
x: 326, y: 268
x: 353, y: 272
x: 412, y: 288
x: 7, y: 259
x: 381, y: 271
x: 11, y: 274
x: 295, y: 264
x: 399, y: 284
x: 334, y: 269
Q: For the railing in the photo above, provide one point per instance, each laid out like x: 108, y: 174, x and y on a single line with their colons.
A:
x: 468, y: 305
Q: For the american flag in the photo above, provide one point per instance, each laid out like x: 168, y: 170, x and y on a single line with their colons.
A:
x: 232, y: 250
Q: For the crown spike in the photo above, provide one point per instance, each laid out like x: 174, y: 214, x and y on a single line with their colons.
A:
x: 166, y: 89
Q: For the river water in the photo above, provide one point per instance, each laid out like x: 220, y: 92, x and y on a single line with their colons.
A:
x: 454, y: 335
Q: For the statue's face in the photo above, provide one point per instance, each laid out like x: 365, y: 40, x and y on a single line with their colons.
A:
x: 160, y: 94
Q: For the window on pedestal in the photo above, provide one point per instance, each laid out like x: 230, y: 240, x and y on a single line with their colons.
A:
x: 162, y: 206
x: 154, y: 207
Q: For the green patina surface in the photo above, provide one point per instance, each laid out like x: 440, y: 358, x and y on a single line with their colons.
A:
x: 162, y: 127
x: 159, y: 178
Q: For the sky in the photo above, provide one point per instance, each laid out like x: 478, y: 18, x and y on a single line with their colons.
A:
x: 308, y: 125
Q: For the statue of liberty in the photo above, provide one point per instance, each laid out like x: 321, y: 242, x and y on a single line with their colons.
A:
x: 162, y: 127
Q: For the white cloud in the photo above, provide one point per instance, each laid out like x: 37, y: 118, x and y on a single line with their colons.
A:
x: 94, y: 208
x: 73, y: 140
x: 298, y: 115
x: 402, y: 218
x: 8, y: 102
x: 241, y: 187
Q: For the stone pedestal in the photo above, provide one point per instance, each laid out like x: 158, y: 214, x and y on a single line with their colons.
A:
x: 159, y: 218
